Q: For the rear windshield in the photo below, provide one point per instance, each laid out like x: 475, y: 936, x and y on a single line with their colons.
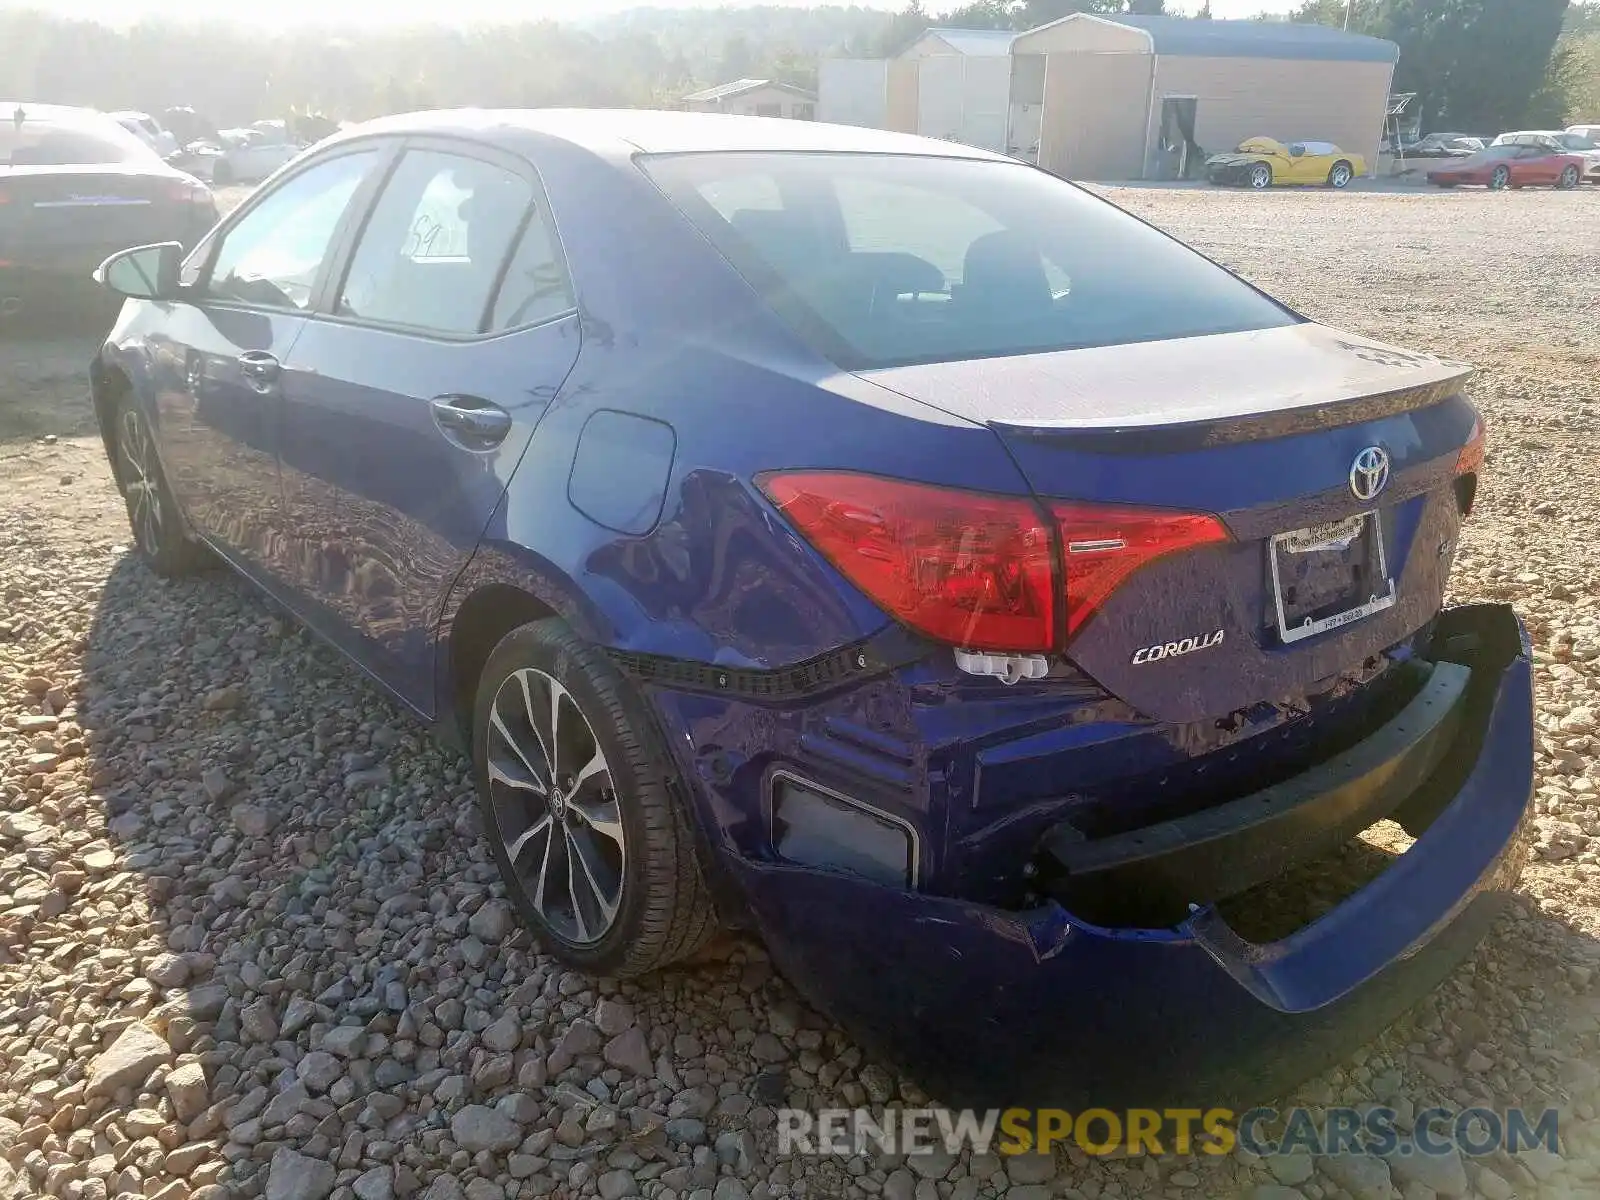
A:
x: 886, y: 260
x: 56, y: 142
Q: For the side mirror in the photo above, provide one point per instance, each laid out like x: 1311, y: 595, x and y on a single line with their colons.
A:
x: 143, y: 273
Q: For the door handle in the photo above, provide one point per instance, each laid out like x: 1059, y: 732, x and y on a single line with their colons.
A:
x: 471, y: 423
x: 260, y: 369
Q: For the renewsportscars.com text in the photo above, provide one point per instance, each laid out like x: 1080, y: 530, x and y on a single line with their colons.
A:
x: 1474, y: 1132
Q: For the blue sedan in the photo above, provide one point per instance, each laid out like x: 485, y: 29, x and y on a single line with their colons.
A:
x: 871, y: 542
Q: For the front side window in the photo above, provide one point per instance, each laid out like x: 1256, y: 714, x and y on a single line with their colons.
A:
x: 273, y: 256
x: 882, y: 260
x: 431, y: 253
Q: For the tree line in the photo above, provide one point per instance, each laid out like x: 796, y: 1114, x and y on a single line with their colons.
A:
x: 1477, y: 65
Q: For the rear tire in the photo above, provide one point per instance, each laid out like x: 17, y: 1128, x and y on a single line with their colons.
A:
x: 159, y: 530
x: 1341, y: 175
x: 1500, y: 180
x: 1260, y: 177
x: 594, y: 847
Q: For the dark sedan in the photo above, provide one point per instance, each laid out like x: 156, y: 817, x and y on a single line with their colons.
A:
x: 1443, y: 145
x: 866, y: 540
x: 76, y: 186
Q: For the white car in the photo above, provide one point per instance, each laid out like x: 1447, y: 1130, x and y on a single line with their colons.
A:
x: 250, y: 155
x: 1564, y: 141
x: 149, y: 131
x: 1592, y: 132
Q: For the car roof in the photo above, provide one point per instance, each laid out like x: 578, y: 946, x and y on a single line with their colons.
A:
x: 50, y: 112
x: 621, y: 133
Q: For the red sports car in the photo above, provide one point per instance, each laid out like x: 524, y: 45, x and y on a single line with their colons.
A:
x: 1511, y: 166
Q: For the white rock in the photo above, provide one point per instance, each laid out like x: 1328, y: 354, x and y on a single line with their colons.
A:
x: 492, y: 922
x: 294, y: 1176
x: 478, y: 1127
x: 504, y: 1035
x: 188, y: 1091
x: 376, y: 1184
x: 346, y: 1041
x: 137, y: 1052
x: 319, y: 1070
x: 630, y: 1052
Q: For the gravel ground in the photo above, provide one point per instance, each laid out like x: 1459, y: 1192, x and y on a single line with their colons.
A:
x: 249, y: 944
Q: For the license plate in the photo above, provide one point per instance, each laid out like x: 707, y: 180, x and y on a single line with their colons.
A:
x: 1329, y: 575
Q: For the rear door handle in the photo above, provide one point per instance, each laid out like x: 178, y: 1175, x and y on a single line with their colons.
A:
x: 471, y: 423
x: 260, y: 369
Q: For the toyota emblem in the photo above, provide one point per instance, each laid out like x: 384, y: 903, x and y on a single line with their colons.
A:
x: 1369, y: 474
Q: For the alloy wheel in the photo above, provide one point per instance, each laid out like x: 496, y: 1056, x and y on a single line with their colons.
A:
x: 1261, y: 177
x: 555, y: 806
x: 1569, y: 177
x: 1341, y: 176
x: 140, y: 480
x: 1499, y: 179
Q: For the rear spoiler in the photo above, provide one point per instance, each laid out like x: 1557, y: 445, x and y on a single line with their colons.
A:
x: 1199, y: 429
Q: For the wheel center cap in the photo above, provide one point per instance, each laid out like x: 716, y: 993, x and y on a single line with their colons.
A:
x: 559, y: 795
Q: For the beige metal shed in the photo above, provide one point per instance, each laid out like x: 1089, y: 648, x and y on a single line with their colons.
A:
x: 1131, y: 97
x: 754, y: 98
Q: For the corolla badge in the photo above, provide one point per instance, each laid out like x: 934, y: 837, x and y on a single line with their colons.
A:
x: 1369, y: 474
x: 1188, y: 645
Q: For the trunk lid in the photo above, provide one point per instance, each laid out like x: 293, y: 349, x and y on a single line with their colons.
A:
x: 72, y: 217
x: 1331, y: 460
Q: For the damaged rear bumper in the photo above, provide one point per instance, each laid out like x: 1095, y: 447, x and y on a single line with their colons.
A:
x: 988, y: 1007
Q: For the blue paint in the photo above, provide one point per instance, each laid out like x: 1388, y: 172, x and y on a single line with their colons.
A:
x: 622, y: 499
x: 620, y: 471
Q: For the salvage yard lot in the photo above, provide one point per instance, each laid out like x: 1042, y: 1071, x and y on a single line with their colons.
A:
x: 195, y: 795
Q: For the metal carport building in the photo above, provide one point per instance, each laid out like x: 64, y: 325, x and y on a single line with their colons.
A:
x: 1128, y: 97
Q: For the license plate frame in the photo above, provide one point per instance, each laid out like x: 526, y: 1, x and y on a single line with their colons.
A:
x: 1367, y: 525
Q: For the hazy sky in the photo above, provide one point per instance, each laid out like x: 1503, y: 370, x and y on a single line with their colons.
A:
x: 408, y: 11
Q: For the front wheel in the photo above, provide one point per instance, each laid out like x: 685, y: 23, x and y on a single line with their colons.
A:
x: 1500, y: 180
x: 1260, y: 177
x: 1570, y: 178
x: 158, y: 527
x: 1341, y: 175
x: 579, y: 807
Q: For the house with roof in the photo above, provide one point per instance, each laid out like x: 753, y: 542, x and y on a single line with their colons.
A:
x: 1123, y: 97
x: 754, y: 98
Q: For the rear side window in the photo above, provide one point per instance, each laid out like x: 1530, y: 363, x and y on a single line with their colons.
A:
x: 431, y: 254
x: 882, y: 260
x: 536, y: 287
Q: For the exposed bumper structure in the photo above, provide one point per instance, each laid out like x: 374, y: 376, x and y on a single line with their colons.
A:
x: 1229, y: 174
x: 1154, y: 873
x: 990, y: 1007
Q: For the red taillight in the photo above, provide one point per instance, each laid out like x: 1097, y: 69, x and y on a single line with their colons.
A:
x: 966, y: 568
x: 1470, y: 460
x: 975, y: 570
x: 1103, y: 544
x: 189, y: 193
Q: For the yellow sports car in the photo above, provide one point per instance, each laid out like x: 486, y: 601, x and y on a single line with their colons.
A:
x: 1262, y: 162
